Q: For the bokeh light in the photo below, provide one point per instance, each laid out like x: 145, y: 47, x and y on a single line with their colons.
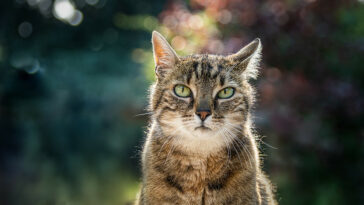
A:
x: 25, y: 29
x: 65, y: 11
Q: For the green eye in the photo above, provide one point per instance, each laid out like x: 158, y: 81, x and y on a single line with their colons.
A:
x: 182, y: 91
x: 226, y: 93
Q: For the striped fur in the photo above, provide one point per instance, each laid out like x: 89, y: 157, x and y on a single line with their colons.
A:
x: 216, y: 165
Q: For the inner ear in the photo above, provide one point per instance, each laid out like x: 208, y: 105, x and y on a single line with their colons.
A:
x: 247, y: 59
x: 164, y: 56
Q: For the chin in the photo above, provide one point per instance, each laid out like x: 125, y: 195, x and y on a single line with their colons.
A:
x: 202, y: 128
x: 195, y: 138
x: 200, y: 140
x: 202, y: 132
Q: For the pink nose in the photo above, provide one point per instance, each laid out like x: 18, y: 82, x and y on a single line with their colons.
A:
x: 203, y: 114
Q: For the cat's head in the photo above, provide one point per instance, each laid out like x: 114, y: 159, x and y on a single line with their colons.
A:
x: 202, y: 101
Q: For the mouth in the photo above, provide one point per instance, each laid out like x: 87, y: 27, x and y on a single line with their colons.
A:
x: 202, y: 127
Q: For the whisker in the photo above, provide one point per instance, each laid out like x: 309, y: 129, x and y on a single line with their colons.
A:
x: 233, y: 145
x: 267, y: 144
x: 246, y: 151
x: 169, y: 138
x: 227, y: 146
x: 143, y: 114
x: 174, y: 146
x: 242, y: 144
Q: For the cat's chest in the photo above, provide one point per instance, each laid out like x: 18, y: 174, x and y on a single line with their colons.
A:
x: 194, y: 173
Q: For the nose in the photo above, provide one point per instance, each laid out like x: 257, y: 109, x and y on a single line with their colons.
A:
x: 203, y: 114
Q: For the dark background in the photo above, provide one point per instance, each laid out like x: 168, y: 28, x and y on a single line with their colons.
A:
x: 74, y: 75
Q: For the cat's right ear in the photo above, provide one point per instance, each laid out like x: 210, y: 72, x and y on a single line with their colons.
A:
x: 164, y: 56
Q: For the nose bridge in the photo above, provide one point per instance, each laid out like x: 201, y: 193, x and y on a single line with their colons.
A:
x: 203, y: 100
x: 203, y: 104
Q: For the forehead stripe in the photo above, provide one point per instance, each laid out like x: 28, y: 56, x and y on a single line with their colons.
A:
x: 209, y: 69
x: 195, y: 66
x: 222, y: 80
x: 189, y: 76
x: 206, y: 68
x: 217, y: 72
x: 219, y: 67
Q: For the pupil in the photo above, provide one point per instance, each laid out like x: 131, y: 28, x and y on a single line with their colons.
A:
x: 183, y: 89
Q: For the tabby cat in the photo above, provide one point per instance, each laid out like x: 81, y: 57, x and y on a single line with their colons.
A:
x: 200, y: 149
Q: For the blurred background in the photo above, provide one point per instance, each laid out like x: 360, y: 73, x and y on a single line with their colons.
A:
x: 74, y: 75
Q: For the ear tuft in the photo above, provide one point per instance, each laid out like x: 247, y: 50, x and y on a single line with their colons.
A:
x: 247, y: 59
x: 164, y: 55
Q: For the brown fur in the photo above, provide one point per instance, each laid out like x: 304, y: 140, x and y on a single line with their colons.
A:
x: 220, y: 165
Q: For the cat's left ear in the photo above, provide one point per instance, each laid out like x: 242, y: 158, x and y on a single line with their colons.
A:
x: 165, y: 57
x: 246, y: 61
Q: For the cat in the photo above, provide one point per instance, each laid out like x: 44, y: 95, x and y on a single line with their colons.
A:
x: 200, y: 148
